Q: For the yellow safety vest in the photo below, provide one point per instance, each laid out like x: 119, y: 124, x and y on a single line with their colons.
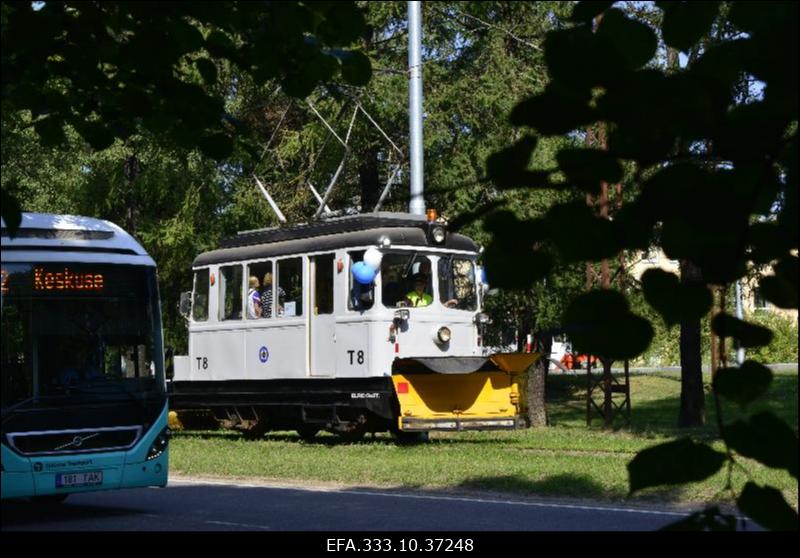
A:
x: 417, y: 299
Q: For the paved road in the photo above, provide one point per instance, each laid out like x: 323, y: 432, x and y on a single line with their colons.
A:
x: 202, y: 505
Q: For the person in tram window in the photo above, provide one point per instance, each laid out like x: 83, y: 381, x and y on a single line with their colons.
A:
x: 266, y: 297
x: 253, y: 299
x: 419, y: 297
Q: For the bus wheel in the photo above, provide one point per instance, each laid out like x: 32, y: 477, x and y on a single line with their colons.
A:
x: 49, y: 500
x: 307, y: 432
x: 410, y: 438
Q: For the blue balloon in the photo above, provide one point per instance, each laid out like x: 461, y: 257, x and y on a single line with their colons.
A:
x: 363, y: 273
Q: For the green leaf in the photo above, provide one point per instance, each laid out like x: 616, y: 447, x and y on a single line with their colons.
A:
x: 586, y: 11
x: 220, y: 45
x: 207, y: 69
x: 51, y: 131
x: 343, y: 23
x: 767, y: 507
x: 686, y: 22
x: 675, y: 302
x: 765, y: 438
x: 217, y: 146
x: 710, y: 519
x: 768, y: 242
x: 508, y: 168
x: 510, y: 259
x: 576, y: 58
x: 356, y: 68
x: 675, y: 462
x: 185, y: 35
x: 748, y: 335
x: 781, y: 288
x: 11, y: 212
x: 553, y: 112
x: 590, y: 237
x: 779, y: 291
x: 587, y: 168
x: 600, y: 323
x: 634, y: 41
x: 97, y: 135
x: 744, y: 384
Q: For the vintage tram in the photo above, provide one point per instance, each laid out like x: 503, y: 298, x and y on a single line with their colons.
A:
x: 364, y: 323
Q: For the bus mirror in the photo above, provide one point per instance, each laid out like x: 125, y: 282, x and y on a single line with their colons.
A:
x: 185, y: 305
x: 169, y: 362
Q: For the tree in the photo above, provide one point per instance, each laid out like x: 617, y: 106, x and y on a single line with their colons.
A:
x: 111, y: 70
x: 729, y: 199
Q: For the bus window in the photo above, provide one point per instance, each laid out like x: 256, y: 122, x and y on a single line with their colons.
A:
x: 323, y: 284
x: 290, y: 287
x: 457, y: 283
x: 406, y: 280
x: 262, y: 272
x: 200, y: 302
x: 230, y: 292
x: 361, y: 296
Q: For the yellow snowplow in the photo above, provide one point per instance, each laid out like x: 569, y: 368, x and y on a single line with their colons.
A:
x: 460, y: 393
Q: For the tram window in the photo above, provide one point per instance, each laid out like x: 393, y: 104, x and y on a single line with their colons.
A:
x: 230, y: 292
x: 262, y: 271
x: 200, y: 301
x: 406, y: 280
x: 362, y: 297
x: 323, y: 284
x: 457, y: 283
x: 290, y: 287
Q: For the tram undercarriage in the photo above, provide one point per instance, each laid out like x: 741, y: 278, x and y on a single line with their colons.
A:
x: 425, y: 394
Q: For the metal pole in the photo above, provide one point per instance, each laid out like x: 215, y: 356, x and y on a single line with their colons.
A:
x: 740, y: 315
x: 417, y: 203
x: 272, y: 203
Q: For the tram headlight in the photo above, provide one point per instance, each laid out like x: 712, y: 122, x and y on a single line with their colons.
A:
x: 438, y: 234
x: 481, y: 318
x: 443, y: 335
x: 159, y: 444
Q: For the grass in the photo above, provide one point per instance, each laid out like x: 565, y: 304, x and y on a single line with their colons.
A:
x: 567, y: 459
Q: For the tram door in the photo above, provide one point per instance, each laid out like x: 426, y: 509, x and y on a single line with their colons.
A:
x: 322, y: 323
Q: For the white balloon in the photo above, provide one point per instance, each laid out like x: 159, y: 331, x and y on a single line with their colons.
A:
x: 373, y: 257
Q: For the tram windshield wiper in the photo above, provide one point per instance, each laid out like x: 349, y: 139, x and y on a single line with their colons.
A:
x: 409, y: 266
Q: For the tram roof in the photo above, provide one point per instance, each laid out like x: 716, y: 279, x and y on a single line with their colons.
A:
x: 356, y: 230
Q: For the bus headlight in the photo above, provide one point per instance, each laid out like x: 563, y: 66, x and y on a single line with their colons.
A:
x: 442, y: 335
x: 159, y: 444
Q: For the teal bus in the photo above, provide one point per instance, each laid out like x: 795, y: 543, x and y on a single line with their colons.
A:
x: 84, y: 402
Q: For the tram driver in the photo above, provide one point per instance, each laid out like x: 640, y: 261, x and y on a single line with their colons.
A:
x: 419, y: 297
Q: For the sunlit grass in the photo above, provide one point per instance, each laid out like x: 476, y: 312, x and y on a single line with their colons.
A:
x: 566, y: 459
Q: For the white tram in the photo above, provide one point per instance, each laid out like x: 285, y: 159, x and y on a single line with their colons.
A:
x: 289, y: 328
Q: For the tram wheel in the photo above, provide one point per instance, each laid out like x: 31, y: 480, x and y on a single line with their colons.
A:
x: 255, y: 432
x: 356, y: 434
x: 307, y: 432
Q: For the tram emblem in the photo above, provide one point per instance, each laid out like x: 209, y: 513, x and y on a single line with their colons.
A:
x: 263, y: 355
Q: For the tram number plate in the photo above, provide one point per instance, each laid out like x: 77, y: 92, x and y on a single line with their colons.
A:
x: 68, y: 480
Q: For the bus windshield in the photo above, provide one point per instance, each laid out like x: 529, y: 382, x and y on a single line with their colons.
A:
x: 78, y: 333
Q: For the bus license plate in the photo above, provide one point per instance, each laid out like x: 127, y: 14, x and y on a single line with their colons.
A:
x: 69, y: 480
